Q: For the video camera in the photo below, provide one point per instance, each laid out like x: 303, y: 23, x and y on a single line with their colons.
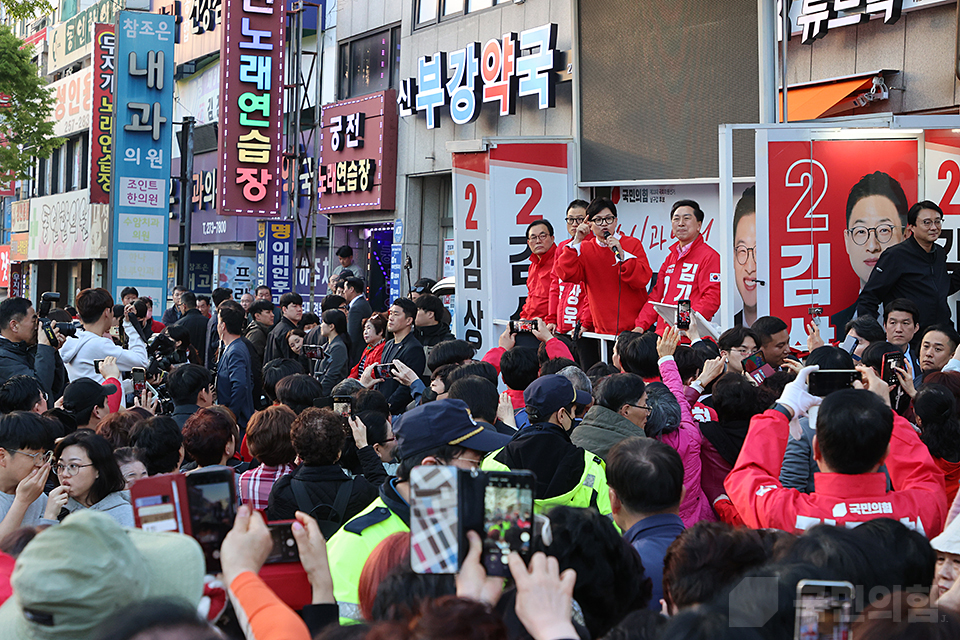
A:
x: 163, y: 355
x: 66, y: 330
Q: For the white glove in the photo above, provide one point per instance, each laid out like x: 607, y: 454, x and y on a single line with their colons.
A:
x: 796, y: 396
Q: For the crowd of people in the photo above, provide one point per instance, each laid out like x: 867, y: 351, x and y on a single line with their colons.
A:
x: 683, y: 487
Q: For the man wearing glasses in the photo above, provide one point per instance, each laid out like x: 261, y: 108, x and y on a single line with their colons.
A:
x: 543, y: 251
x: 915, y: 269
x: 24, y: 466
x: 568, y: 301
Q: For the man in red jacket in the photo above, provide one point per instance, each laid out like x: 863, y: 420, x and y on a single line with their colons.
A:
x: 613, y: 267
x: 856, y: 433
x: 568, y: 300
x: 690, y: 272
x: 543, y: 251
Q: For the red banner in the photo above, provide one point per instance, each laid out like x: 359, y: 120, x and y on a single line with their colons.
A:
x: 5, y: 265
x: 251, y: 107
x: 101, y: 127
x: 814, y: 262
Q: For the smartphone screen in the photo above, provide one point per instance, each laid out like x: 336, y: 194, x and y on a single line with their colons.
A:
x: 684, y: 312
x: 139, y: 379
x: 823, y: 383
x: 434, y: 519
x: 824, y: 610
x: 383, y: 371
x: 284, y: 544
x: 507, y: 519
x: 753, y: 362
x: 212, y: 497
x: 343, y: 405
x: 890, y: 360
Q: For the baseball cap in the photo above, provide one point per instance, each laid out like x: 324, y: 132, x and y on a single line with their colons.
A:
x: 423, y: 285
x: 84, y: 393
x: 550, y: 393
x: 949, y: 540
x: 71, y: 577
x: 444, y: 422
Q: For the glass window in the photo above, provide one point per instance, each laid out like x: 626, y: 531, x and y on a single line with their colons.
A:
x: 477, y: 5
x: 427, y: 11
x: 395, y: 73
x: 370, y: 64
x: 452, y: 7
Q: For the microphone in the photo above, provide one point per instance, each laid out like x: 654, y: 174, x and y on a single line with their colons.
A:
x: 616, y: 251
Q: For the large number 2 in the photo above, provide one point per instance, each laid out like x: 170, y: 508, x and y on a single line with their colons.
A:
x: 471, y: 195
x: 536, y: 192
x: 949, y: 168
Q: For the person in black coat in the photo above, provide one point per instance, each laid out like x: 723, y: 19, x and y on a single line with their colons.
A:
x: 291, y: 310
x: 26, y: 351
x: 360, y: 310
x: 404, y: 347
x: 318, y: 438
x: 336, y: 362
x: 193, y: 321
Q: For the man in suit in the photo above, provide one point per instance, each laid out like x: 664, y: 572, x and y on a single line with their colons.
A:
x: 212, y: 346
x: 359, y: 311
x: 235, y: 370
x: 193, y: 321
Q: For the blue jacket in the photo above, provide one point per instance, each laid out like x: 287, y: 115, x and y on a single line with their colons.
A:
x: 235, y: 381
x: 651, y: 537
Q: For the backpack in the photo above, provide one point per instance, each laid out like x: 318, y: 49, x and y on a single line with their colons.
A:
x: 329, y: 518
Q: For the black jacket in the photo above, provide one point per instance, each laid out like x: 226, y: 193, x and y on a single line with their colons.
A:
x: 182, y: 412
x: 433, y: 335
x: 322, y: 484
x: 360, y: 310
x: 907, y: 271
x: 335, y: 366
x: 194, y: 322
x: 409, y: 352
x: 42, y: 362
x: 546, y: 450
x: 277, y: 346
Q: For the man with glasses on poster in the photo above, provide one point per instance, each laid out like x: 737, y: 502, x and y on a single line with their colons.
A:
x: 915, y: 269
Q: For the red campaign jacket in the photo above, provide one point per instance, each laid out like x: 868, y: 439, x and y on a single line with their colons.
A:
x: 918, y: 499
x: 538, y: 286
x: 568, y: 300
x: 694, y: 276
x: 555, y: 349
x: 617, y: 290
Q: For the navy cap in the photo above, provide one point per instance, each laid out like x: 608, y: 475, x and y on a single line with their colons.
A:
x: 84, y: 393
x: 444, y: 422
x: 548, y: 394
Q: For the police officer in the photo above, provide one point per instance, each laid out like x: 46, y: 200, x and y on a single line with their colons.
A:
x: 566, y: 474
x: 436, y: 433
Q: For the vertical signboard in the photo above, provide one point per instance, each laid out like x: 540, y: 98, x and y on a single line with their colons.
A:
x: 941, y: 162
x: 16, y: 281
x: 275, y: 256
x: 474, y: 317
x: 251, y: 107
x: 101, y: 127
x: 143, y: 134
x: 5, y: 266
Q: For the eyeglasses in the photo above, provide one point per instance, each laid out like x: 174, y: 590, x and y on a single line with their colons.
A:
x: 743, y: 351
x: 576, y: 221
x: 540, y: 237
x: 861, y: 235
x: 929, y: 224
x: 45, y: 456
x: 344, y: 307
x: 639, y: 406
x: 743, y: 254
x: 69, y: 469
x: 604, y: 221
x: 475, y: 461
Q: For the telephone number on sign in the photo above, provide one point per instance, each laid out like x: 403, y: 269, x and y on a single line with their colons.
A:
x: 215, y: 226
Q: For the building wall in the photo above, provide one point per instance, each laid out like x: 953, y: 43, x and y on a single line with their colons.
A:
x: 921, y: 45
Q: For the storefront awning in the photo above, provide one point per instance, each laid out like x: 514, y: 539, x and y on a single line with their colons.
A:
x: 811, y: 100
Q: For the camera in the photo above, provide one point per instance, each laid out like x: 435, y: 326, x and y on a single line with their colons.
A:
x: 46, y: 325
x: 163, y: 355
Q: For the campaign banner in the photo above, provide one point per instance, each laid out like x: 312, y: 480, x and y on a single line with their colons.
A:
x: 5, y: 266
x: 251, y: 107
x: 143, y: 135
x: 832, y: 207
x: 101, y: 127
x: 65, y: 226
x: 474, y: 318
x: 275, y: 256
x: 941, y: 162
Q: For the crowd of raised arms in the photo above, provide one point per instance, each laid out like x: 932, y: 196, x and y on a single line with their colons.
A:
x: 683, y: 485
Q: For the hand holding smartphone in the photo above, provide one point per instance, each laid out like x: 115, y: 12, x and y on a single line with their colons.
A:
x: 684, y: 315
x: 891, y: 360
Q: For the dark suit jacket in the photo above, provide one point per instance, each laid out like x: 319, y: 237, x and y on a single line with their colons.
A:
x: 235, y: 381
x: 196, y: 324
x: 360, y: 310
x: 277, y: 346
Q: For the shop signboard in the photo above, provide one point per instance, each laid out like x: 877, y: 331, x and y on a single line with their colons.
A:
x: 143, y: 131
x: 807, y: 262
x: 396, y: 270
x: 101, y: 127
x: 236, y: 273
x: 16, y: 289
x: 19, y: 246
x: 251, y: 107
x: 812, y: 19
x: 320, y: 266
x: 505, y: 69
x: 5, y: 266
x: 497, y: 194
x: 200, y: 272
x: 358, y: 162
x: 199, y: 94
x: 74, y: 98
x: 275, y: 260
x: 65, y: 226
x: 72, y: 38
x: 20, y: 216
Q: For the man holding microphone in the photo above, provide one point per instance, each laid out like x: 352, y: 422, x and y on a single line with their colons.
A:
x: 612, y: 267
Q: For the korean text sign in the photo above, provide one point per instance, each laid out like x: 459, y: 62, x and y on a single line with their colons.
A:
x: 72, y: 37
x: 809, y: 250
x: 358, y: 168
x: 251, y: 107
x: 101, y: 129
x: 275, y: 259
x: 143, y: 135
x: 73, y: 101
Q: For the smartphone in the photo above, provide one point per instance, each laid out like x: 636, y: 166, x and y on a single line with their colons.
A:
x: 434, y: 519
x: 383, y: 371
x: 757, y: 368
x: 824, y: 610
x: 96, y: 365
x: 507, y: 519
x: 313, y: 351
x: 684, y: 314
x: 823, y: 383
x: 284, y: 544
x: 890, y: 360
x: 343, y: 405
x: 212, y: 501
x: 850, y: 344
x: 523, y: 326
x: 139, y: 380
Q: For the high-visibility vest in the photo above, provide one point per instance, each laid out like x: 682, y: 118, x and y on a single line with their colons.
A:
x: 349, y: 549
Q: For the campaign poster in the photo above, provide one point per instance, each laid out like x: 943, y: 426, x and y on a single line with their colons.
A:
x: 941, y: 161
x: 834, y: 207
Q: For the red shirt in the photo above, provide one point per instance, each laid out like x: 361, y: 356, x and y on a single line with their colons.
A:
x: 617, y: 289
x: 920, y: 501
x: 370, y: 355
x: 568, y: 300
x: 693, y: 274
x: 538, y: 286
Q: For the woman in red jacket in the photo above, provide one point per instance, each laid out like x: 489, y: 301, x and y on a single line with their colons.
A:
x: 374, y: 332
